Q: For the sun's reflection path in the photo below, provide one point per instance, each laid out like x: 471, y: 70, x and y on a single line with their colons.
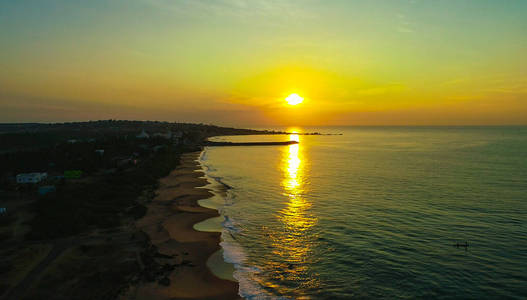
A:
x: 292, y: 245
x: 293, y: 216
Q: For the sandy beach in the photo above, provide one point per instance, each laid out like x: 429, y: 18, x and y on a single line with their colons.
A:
x: 169, y: 224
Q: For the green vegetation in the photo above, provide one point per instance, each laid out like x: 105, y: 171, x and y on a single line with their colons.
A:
x: 83, y: 206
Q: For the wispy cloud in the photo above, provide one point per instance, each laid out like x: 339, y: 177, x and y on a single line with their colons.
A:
x: 403, y: 25
x: 243, y: 9
x: 382, y: 90
x: 489, y: 84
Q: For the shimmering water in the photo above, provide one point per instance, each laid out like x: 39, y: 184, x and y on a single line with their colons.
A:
x: 375, y: 213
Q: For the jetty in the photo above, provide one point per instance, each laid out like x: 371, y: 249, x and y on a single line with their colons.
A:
x: 209, y: 143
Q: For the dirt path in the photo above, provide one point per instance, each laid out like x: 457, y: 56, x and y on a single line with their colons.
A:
x: 23, y: 286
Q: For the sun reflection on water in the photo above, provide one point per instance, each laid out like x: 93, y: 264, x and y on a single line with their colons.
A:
x: 293, y: 243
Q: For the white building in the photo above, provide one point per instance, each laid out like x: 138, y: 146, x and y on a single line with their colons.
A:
x: 166, y: 135
x: 177, y: 134
x: 99, y: 151
x: 143, y: 135
x: 31, y: 177
x: 176, y: 137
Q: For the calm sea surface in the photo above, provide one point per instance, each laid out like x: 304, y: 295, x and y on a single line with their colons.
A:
x: 376, y: 213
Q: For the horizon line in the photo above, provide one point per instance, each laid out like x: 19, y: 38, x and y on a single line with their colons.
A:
x: 274, y: 125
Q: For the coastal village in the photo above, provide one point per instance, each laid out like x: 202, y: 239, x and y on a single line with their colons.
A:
x: 45, y: 182
x: 69, y: 196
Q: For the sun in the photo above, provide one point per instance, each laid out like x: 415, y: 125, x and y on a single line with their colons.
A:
x: 294, y: 99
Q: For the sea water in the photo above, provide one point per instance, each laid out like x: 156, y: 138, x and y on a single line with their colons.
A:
x: 377, y: 212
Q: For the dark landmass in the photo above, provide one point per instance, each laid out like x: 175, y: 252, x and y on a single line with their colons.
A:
x: 14, y: 137
x: 73, y: 234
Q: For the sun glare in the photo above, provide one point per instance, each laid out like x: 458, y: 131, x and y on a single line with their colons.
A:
x: 294, y: 99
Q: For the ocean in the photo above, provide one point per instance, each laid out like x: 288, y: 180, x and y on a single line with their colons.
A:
x: 377, y: 212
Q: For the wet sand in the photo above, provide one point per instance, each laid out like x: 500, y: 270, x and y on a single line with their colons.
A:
x: 169, y: 224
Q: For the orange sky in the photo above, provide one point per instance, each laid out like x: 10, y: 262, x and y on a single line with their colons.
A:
x: 234, y: 62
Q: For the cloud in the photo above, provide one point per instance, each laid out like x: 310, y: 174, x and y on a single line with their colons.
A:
x: 242, y: 9
x: 456, y: 81
x: 403, y: 25
x: 381, y: 90
x: 494, y: 84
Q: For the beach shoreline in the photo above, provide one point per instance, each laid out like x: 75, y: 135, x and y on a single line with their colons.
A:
x: 177, y: 246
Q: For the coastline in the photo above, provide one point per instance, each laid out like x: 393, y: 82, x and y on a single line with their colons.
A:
x: 178, y: 247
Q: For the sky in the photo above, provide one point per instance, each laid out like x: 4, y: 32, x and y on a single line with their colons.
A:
x: 233, y: 62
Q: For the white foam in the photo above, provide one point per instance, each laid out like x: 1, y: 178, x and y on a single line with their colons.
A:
x: 233, y: 252
x: 246, y: 275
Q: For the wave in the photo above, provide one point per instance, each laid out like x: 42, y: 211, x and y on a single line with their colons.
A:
x: 233, y: 251
x: 208, y: 169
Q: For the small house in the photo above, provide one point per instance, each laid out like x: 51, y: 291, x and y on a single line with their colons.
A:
x: 176, y: 137
x: 123, y: 162
x: 34, y: 177
x: 72, y: 174
x: 109, y: 171
x: 46, y: 189
x: 158, y: 147
x: 167, y: 135
x: 100, y: 151
x: 143, y: 135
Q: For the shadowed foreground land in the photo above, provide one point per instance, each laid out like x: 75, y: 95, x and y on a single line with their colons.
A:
x: 81, y: 241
